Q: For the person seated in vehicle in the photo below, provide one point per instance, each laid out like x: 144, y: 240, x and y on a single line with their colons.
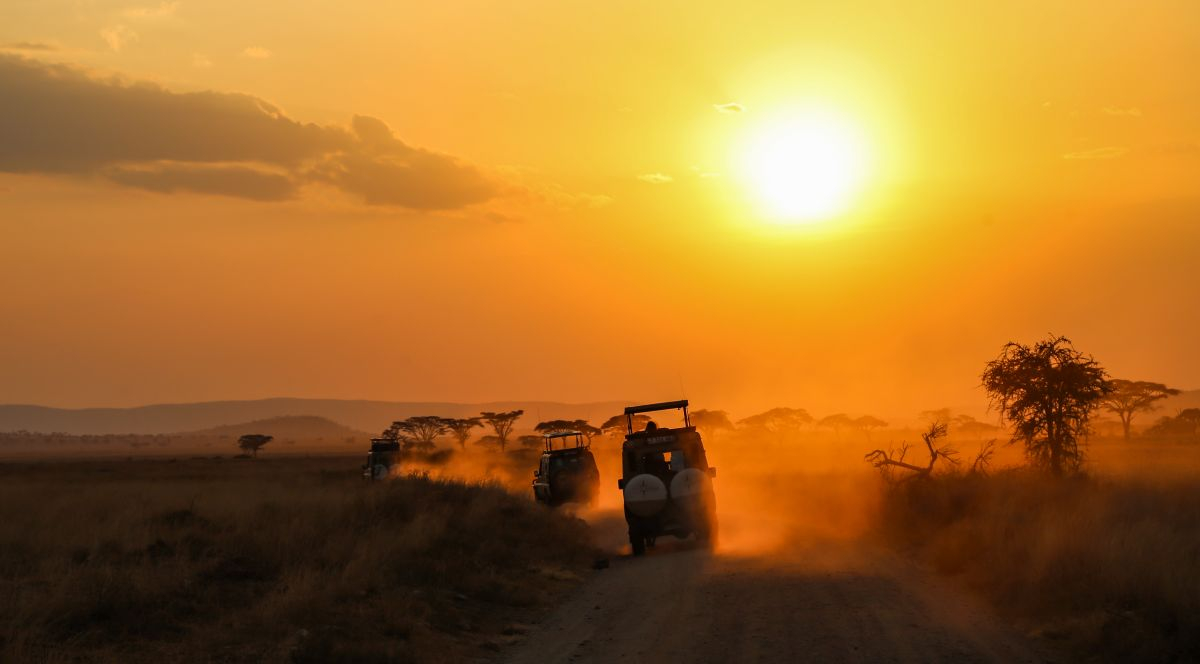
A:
x: 651, y: 427
x: 656, y: 464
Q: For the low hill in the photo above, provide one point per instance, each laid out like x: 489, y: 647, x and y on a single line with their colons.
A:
x: 297, y: 427
x: 370, y: 416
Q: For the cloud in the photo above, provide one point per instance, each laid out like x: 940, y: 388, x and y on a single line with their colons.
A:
x: 656, y: 178
x: 58, y: 120
x: 201, y: 61
x: 732, y: 107
x: 1096, y: 153
x: 385, y: 171
x: 117, y: 37
x: 239, y: 181
x: 28, y: 47
x: 256, y: 52
x: 1132, y: 112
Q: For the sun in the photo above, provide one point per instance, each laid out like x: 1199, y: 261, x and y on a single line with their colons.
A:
x: 805, y: 167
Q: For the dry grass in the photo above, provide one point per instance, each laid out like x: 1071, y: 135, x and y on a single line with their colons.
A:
x: 268, y: 560
x: 1109, y: 567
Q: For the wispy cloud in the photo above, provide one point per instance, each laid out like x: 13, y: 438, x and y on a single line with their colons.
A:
x: 256, y: 52
x: 1096, y: 153
x: 117, y: 36
x: 28, y: 46
x: 731, y: 107
x: 656, y: 178
x: 1132, y: 112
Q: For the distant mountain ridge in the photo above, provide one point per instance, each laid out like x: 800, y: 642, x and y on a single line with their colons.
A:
x: 287, y: 426
x: 361, y: 415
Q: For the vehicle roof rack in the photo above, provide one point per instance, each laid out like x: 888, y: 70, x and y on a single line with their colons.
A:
x: 650, y: 407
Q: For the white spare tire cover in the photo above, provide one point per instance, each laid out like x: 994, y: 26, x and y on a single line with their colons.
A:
x: 645, y: 495
x: 688, y: 483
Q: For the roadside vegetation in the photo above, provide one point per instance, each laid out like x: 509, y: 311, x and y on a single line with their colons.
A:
x: 1109, y: 569
x: 268, y: 560
x: 1105, y: 563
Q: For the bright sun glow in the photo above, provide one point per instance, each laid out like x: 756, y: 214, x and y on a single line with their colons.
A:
x: 806, y: 167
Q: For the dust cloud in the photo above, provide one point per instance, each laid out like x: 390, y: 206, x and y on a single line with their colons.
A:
x: 775, y: 492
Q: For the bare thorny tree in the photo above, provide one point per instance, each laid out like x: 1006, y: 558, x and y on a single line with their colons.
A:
x: 892, y: 463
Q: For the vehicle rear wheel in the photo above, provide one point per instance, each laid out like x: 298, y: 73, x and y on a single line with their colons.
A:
x: 638, y: 543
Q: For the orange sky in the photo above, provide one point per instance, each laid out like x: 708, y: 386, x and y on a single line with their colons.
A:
x: 544, y: 200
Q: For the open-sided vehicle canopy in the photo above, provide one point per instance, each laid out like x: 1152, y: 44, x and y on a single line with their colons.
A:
x: 565, y: 440
x: 630, y: 411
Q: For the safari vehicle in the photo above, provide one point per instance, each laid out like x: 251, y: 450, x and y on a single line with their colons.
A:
x: 384, y: 454
x: 567, y: 471
x: 667, y: 482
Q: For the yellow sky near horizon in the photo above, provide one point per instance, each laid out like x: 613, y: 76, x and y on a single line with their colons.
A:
x: 565, y: 217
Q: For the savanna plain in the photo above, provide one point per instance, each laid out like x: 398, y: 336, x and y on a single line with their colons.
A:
x: 204, y: 555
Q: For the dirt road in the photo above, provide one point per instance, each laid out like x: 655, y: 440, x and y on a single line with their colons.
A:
x: 828, y: 603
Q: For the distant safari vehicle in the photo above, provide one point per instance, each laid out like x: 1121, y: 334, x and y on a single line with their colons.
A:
x: 384, y: 455
x: 667, y: 483
x: 567, y: 471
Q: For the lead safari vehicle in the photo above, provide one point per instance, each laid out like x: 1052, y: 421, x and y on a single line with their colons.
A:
x: 383, y: 456
x: 567, y: 472
x: 667, y: 482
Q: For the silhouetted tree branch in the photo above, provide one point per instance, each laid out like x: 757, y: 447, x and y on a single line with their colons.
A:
x: 887, y: 461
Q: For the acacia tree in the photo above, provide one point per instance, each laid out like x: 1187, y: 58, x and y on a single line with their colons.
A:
x: 868, y: 422
x: 530, y: 441
x: 1047, y: 391
x: 837, y: 422
x: 419, y: 432
x: 1186, y: 424
x: 460, y: 428
x: 1190, y: 417
x: 936, y: 415
x: 615, y: 425
x: 709, y: 422
x: 581, y: 426
x: 972, y: 427
x: 1128, y: 397
x: 502, y: 424
x: 252, y: 442
x: 778, y: 420
x: 488, y: 441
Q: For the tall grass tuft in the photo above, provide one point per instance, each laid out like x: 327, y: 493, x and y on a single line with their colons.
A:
x: 1111, y: 568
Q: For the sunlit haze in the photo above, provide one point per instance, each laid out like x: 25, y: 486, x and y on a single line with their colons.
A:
x: 842, y: 207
